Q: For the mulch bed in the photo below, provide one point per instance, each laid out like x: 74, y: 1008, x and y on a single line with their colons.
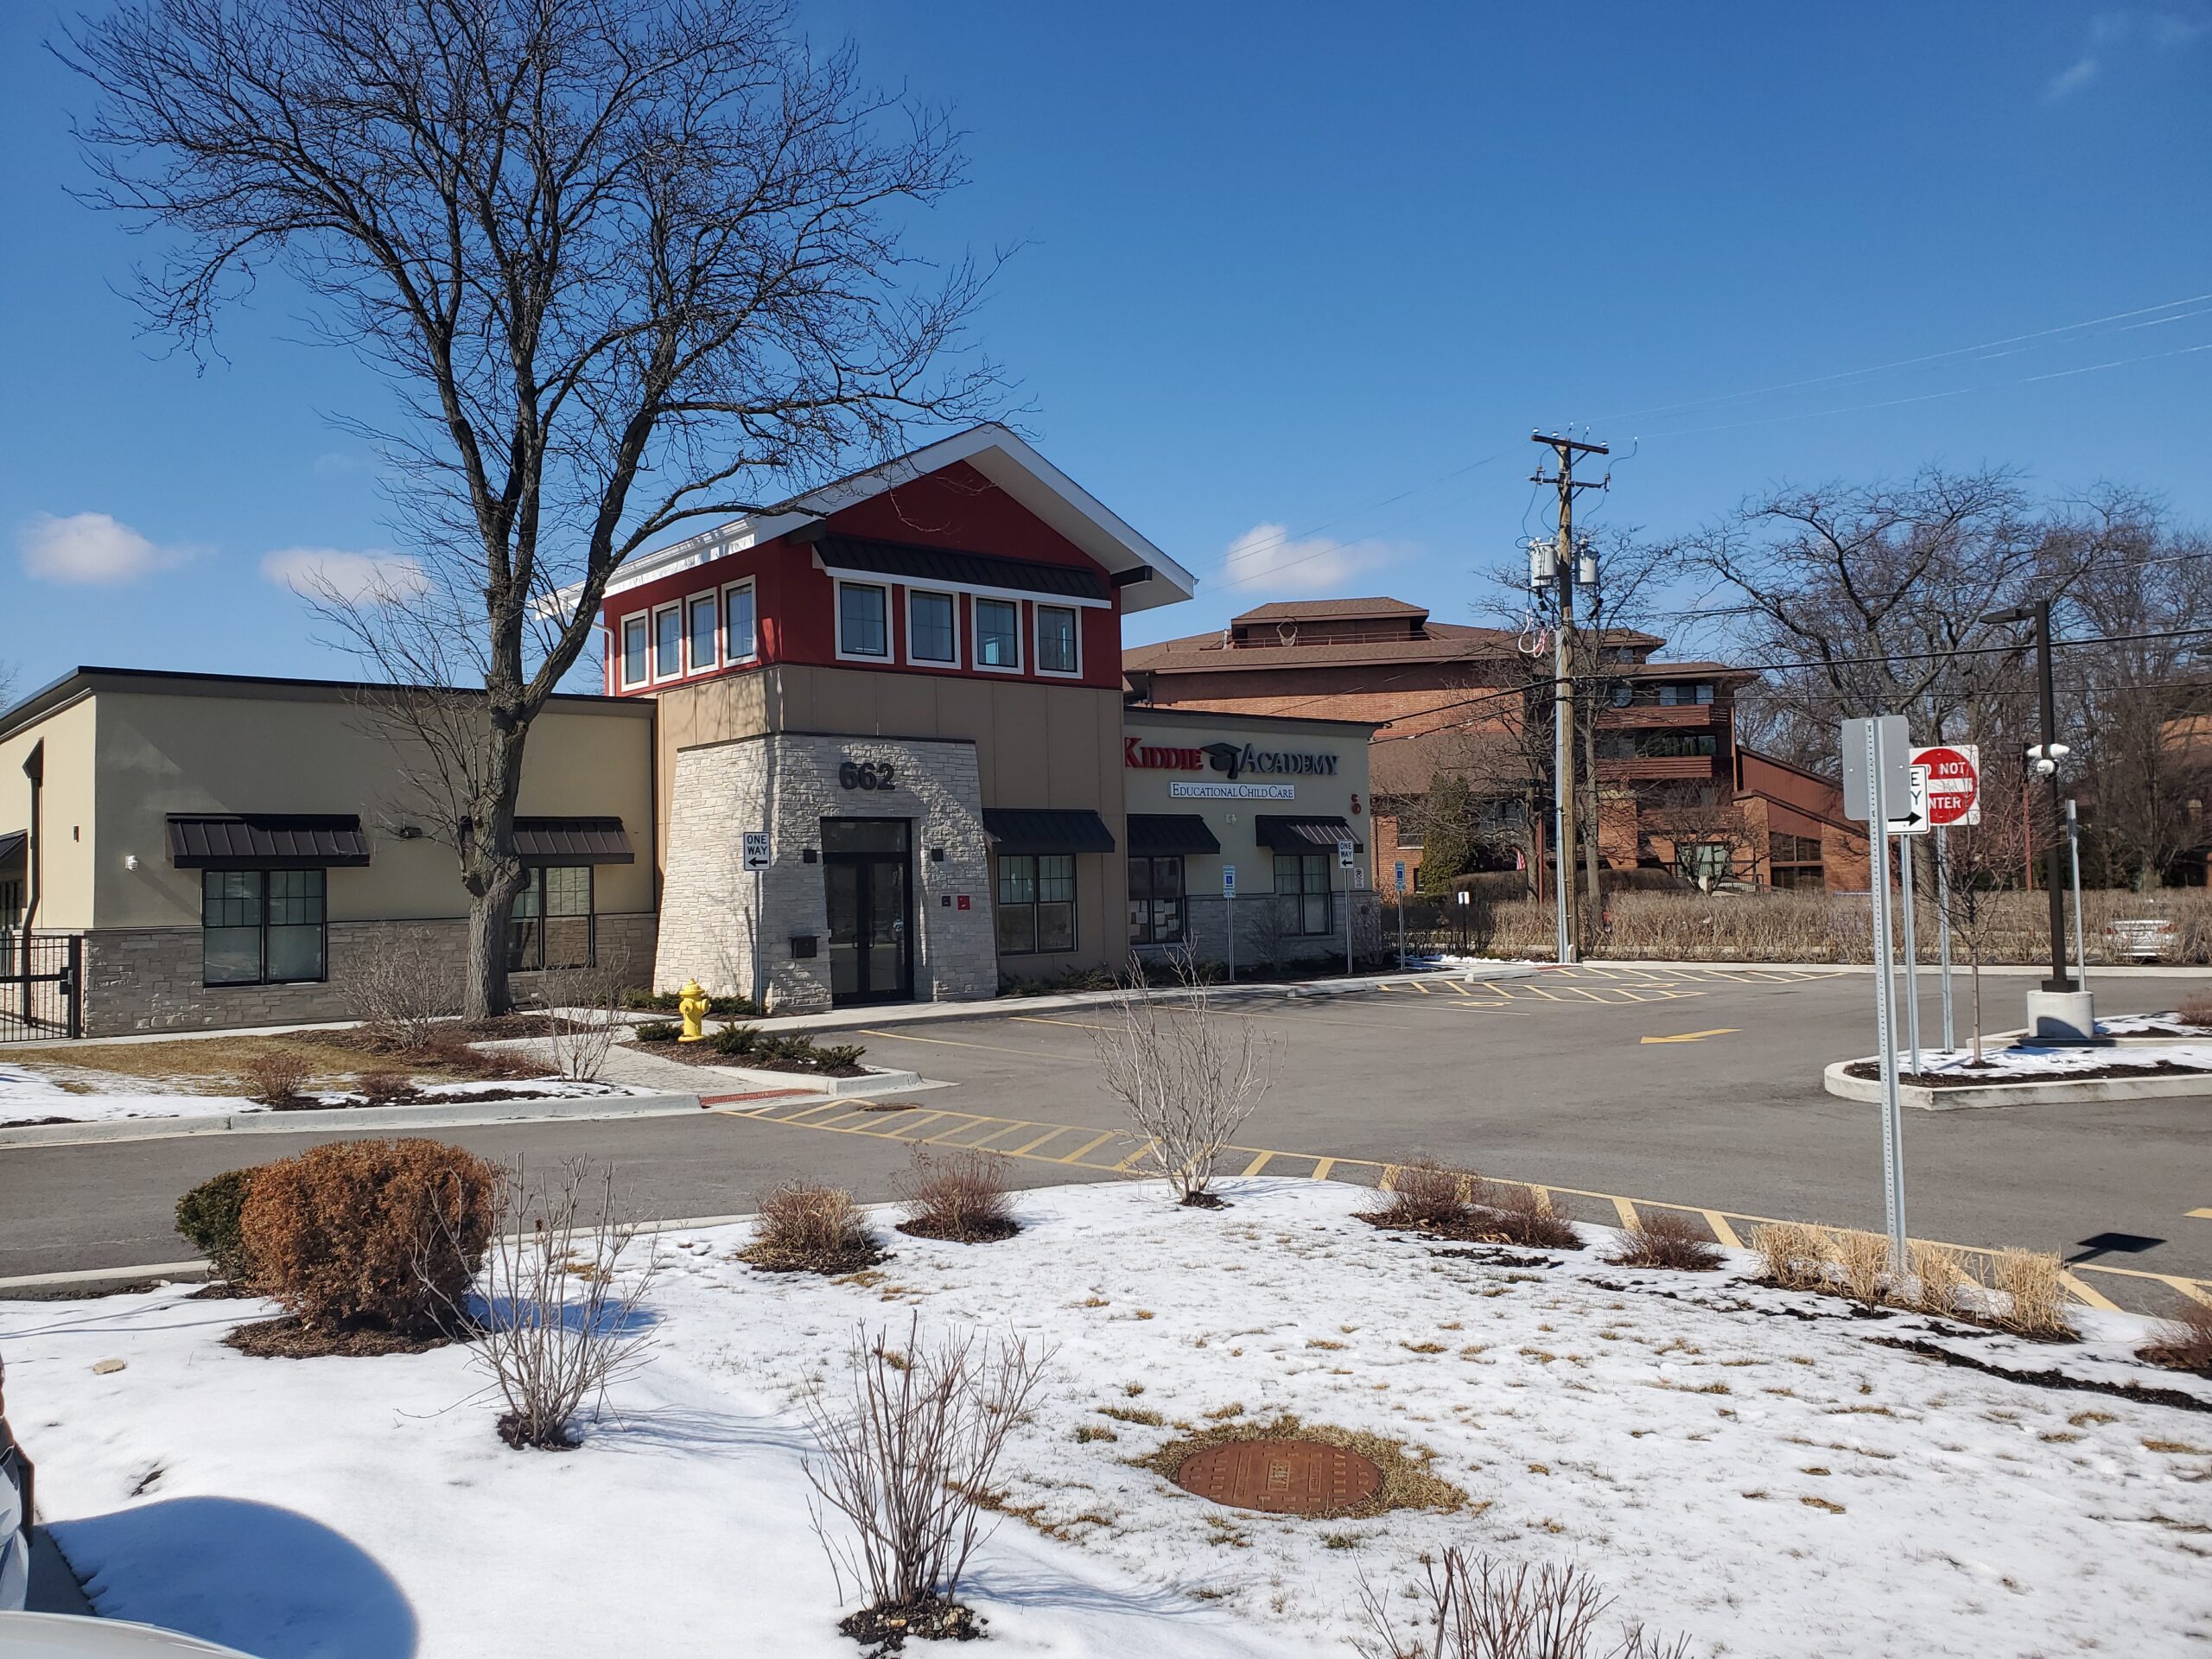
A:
x: 831, y: 1263
x: 33, y: 1122
x: 1967, y: 1077
x: 985, y: 1232
x: 290, y: 1336
x: 885, y: 1629
x: 703, y: 1053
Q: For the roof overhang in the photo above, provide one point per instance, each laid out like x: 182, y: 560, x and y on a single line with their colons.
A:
x: 1146, y: 577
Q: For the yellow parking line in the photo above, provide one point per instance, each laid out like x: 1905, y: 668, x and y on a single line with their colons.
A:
x: 1096, y: 1141
x: 2094, y: 1299
x: 1143, y: 1151
x: 897, y: 1124
x: 1625, y: 1210
x: 1721, y: 1230
x: 1029, y: 1147
x: 950, y: 1042
x: 1323, y: 1166
x: 1046, y: 1019
x: 1258, y: 1163
x: 1014, y: 1128
x: 946, y: 1138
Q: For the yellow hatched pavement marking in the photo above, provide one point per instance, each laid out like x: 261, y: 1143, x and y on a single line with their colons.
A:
x: 1097, y: 1140
x: 1626, y: 1211
x: 2094, y: 1299
x: 1261, y: 1162
x: 896, y: 1125
x: 1721, y: 1230
x: 1143, y: 1151
x: 1029, y: 1147
x: 950, y: 1042
x: 1322, y: 1166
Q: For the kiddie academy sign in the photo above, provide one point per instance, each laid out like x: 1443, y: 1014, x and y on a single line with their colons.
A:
x: 1227, y: 758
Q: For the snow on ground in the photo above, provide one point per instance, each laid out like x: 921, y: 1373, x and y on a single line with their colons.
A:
x: 1743, y: 1464
x: 102, y: 1096
x: 2151, y: 1024
x: 2029, y: 1061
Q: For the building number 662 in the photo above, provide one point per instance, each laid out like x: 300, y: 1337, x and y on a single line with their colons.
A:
x: 866, y: 774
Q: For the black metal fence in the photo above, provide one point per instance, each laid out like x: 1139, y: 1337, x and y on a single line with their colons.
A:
x: 42, y: 985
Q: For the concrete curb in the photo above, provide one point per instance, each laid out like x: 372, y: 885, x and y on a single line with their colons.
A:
x: 460, y: 1115
x: 880, y: 1080
x: 2085, y: 1091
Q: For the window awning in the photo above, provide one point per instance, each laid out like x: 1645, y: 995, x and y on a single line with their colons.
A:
x: 1170, y: 832
x: 1046, y: 830
x: 268, y: 841
x: 12, y: 844
x: 950, y: 567
x: 1284, y: 834
x: 572, y: 841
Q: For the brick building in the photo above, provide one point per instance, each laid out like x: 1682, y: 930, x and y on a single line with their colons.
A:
x: 1675, y: 789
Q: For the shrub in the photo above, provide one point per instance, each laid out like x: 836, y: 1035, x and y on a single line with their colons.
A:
x: 2196, y: 1009
x: 2181, y: 1343
x: 657, y: 1031
x: 2032, y: 1295
x: 1667, y: 1239
x: 1187, y: 1077
x: 400, y: 988
x: 1425, y: 1193
x: 807, y: 1229
x: 907, y: 1462
x: 1477, y: 1607
x: 1512, y: 1214
x: 385, y: 1233
x: 273, y: 1076
x: 385, y: 1085
x: 208, y: 1216
x: 639, y: 1000
x: 957, y: 1195
x: 788, y: 1050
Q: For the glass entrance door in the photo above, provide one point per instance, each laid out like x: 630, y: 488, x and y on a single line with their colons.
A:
x: 866, y: 872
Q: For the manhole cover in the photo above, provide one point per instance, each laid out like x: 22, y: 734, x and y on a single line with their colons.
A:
x: 1280, y: 1477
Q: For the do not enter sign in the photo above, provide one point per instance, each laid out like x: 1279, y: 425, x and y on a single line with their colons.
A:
x: 1953, y: 782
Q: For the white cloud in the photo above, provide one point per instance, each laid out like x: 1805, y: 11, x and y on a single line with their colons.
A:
x: 2070, y: 80
x: 375, y: 577
x: 91, y: 548
x: 1267, y: 557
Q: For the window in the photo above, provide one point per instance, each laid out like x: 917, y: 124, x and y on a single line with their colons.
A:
x: 1704, y: 691
x: 11, y: 903
x: 1622, y: 695
x: 1056, y: 652
x: 261, y: 927
x: 933, y: 628
x: 738, y: 643
x: 863, y: 619
x: 550, y: 925
x: 1036, y: 907
x: 1670, y: 696
x: 633, y: 650
x: 1156, y: 900
x: 668, y: 643
x: 1654, y: 746
x: 1302, y: 891
x: 998, y: 634
x: 699, y: 631
x: 1702, y: 861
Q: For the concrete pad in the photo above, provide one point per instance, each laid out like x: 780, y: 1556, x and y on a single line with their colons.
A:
x: 2064, y: 1092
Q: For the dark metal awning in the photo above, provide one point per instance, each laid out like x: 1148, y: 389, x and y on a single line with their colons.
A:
x: 953, y: 568
x: 1170, y: 832
x: 572, y: 841
x: 1284, y: 834
x: 1046, y: 830
x: 11, y: 845
x: 265, y: 840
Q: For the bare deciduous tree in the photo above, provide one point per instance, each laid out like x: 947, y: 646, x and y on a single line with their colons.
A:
x: 908, y: 1458
x: 560, y: 1313
x: 583, y: 1016
x: 624, y: 262
x: 1187, y: 1081
x: 401, y: 988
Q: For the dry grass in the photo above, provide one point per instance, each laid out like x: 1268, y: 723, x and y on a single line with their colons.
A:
x: 1862, y: 1261
x: 1666, y: 1239
x: 1946, y: 1287
x: 2183, y: 1343
x: 214, y: 1064
x: 960, y: 1195
x: 803, y: 1228
x: 2033, y: 1300
x: 2196, y: 1009
x: 1407, y: 1481
x: 1424, y: 1193
x: 1795, y: 1255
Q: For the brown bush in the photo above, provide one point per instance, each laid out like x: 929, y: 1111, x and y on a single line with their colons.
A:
x: 2183, y: 1343
x: 274, y: 1076
x: 1665, y: 1239
x: 1506, y: 1213
x: 383, y: 1086
x: 959, y: 1195
x: 1425, y: 1193
x: 2196, y: 1009
x: 807, y: 1229
x: 383, y: 1233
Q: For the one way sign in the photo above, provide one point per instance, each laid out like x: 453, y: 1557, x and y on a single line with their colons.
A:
x: 1915, y: 821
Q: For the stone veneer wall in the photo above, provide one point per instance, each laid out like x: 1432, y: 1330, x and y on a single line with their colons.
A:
x: 1207, y: 917
x: 148, y: 979
x: 788, y: 783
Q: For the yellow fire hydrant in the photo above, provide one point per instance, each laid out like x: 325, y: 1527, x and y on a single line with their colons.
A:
x: 691, y: 1003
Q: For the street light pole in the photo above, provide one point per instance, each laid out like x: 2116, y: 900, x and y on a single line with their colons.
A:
x: 2045, y: 755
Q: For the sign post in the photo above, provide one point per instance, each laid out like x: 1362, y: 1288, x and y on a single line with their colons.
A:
x: 756, y: 860
x: 1229, y: 914
x: 1344, y: 851
x: 2074, y: 847
x: 1875, y: 772
x: 1908, y: 828
x: 1953, y: 791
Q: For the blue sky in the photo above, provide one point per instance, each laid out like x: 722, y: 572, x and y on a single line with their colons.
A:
x: 1305, y: 287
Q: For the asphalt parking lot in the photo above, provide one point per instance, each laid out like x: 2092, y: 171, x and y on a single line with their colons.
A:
x: 1691, y: 1086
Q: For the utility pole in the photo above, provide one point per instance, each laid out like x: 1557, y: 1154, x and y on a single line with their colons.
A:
x: 1565, y: 449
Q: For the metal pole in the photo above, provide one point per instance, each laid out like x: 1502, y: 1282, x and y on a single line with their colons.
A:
x: 1877, y: 830
x: 2054, y: 873
x: 1229, y: 915
x: 1348, y: 899
x: 1944, y: 927
x: 2073, y: 845
x: 1402, y: 929
x: 1911, y: 954
x: 760, y: 912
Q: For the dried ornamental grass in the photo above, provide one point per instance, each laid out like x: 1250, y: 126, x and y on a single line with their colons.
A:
x: 960, y: 1195
x: 1862, y: 1261
x: 803, y: 1228
x: 1797, y: 1257
x: 382, y: 1233
x: 1944, y: 1284
x: 2031, y: 1295
x: 2183, y: 1343
x: 1424, y: 1193
x: 1666, y: 1239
